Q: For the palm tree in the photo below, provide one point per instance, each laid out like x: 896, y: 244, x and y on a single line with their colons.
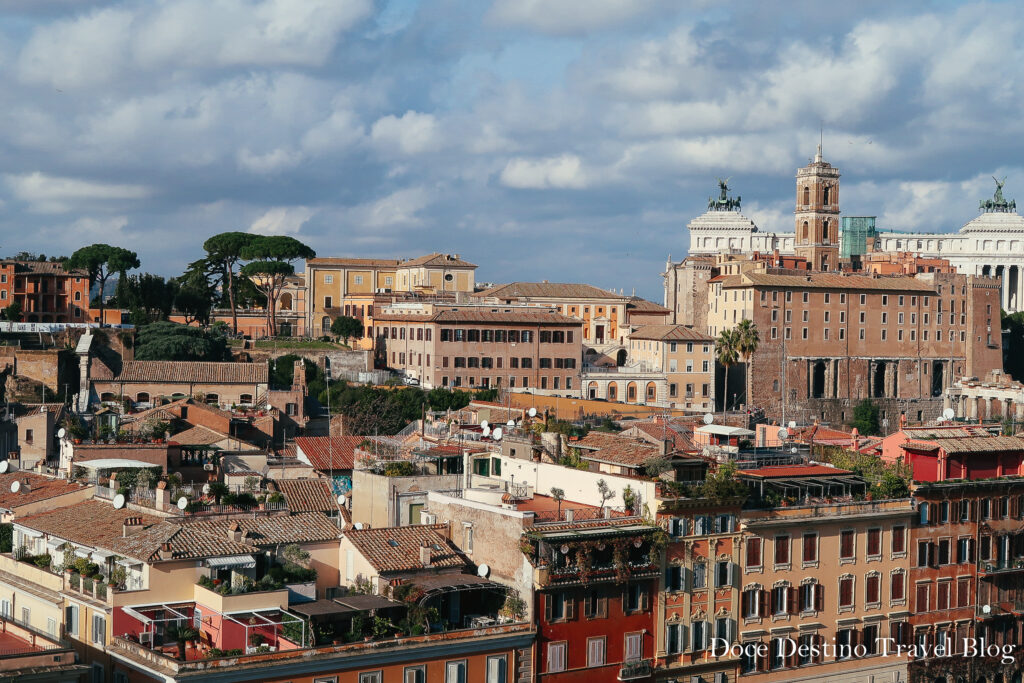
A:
x: 749, y: 339
x: 727, y: 353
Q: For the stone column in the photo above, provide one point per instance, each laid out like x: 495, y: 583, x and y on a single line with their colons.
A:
x: 947, y: 402
x: 1018, y: 410
x: 972, y: 407
x: 1004, y: 407
x: 961, y: 406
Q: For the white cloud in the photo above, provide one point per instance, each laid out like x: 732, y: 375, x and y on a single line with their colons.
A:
x: 282, y: 220
x: 398, y: 209
x: 101, y: 46
x: 276, y: 160
x: 565, y: 171
x: 568, y: 16
x: 412, y: 133
x: 53, y: 194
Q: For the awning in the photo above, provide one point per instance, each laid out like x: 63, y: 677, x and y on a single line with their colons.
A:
x: 112, y: 464
x: 234, y: 562
x: 451, y: 583
x: 128, y: 564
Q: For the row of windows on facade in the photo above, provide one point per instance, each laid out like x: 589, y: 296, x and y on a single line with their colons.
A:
x: 487, y: 362
x: 673, y: 390
x: 1000, y: 551
x: 701, y: 525
x: 809, y: 598
x: 358, y: 279
x: 486, y: 336
x: 809, y: 648
x: 63, y: 284
x: 883, y: 319
x: 557, y: 659
x: 673, y: 347
x: 454, y: 672
x: 487, y: 382
x: 44, y: 305
x: 809, y: 546
x: 968, y: 510
x: 884, y: 335
x: 826, y: 297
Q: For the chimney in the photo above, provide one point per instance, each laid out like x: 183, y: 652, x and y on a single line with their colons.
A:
x: 165, y: 551
x: 26, y: 485
x: 131, y: 526
x: 425, y: 555
x: 235, y: 532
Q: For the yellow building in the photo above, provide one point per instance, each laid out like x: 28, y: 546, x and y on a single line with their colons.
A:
x: 354, y: 286
x: 684, y: 355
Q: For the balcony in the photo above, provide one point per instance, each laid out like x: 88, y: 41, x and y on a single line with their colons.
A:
x: 633, y: 671
x: 242, y: 602
x: 1001, y: 566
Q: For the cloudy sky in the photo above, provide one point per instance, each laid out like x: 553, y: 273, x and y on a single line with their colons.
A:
x: 568, y: 140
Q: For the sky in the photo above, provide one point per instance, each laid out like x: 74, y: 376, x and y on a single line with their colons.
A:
x: 560, y: 140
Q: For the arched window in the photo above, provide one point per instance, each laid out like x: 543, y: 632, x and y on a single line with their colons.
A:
x: 245, y: 399
x: 613, y: 391
x: 108, y: 396
x: 325, y: 325
x: 828, y: 195
x: 807, y: 195
x: 212, y: 399
x: 142, y: 397
x: 652, y: 391
x: 286, y: 302
x: 824, y: 230
x: 631, y: 391
x: 805, y: 233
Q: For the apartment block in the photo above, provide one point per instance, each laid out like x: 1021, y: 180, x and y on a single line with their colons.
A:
x: 829, y: 340
x: 45, y: 291
x: 522, y: 349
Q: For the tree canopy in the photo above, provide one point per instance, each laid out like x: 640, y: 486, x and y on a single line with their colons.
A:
x: 171, y: 341
x: 347, y: 327
x: 100, y: 261
x: 270, y: 263
x: 865, y: 418
x: 224, y: 250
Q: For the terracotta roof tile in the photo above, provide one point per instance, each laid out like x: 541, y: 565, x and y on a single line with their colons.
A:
x: 43, y: 268
x: 329, y: 453
x: 40, y: 488
x: 305, y: 527
x: 550, y: 290
x: 198, y: 435
x: 670, y: 333
x: 437, y: 259
x: 308, y: 495
x: 354, y: 262
x: 639, y: 305
x: 483, y: 314
x: 188, y: 372
x: 785, y: 471
x: 616, y: 449
x: 396, y: 549
x: 981, y: 444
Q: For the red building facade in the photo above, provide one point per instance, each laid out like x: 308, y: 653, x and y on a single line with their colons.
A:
x: 45, y: 291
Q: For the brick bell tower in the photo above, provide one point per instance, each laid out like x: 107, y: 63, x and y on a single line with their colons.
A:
x: 817, y: 214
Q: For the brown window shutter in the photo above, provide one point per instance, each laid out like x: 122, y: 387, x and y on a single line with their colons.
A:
x: 602, y: 606
x: 570, y: 608
x: 763, y: 608
x: 793, y: 606
x: 645, y: 601
x: 819, y: 598
x: 548, y: 605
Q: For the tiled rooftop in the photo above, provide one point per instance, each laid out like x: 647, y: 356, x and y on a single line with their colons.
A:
x: 188, y: 372
x: 670, y: 333
x: 39, y: 488
x: 305, y: 527
x: 308, y: 495
x: 550, y: 290
x: 395, y: 549
x: 620, y: 450
x: 329, y: 453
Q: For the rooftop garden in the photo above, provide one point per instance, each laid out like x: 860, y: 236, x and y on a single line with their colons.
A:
x: 292, y: 568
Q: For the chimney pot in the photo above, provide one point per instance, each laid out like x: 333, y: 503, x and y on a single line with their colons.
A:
x: 425, y: 555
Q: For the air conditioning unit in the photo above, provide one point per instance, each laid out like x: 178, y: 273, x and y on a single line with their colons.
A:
x: 428, y: 518
x: 208, y: 466
x: 146, y: 639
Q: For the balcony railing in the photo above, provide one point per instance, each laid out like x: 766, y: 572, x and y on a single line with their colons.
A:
x: 632, y: 671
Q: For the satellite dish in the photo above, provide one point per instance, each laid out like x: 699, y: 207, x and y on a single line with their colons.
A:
x: 61, y: 432
x: 532, y: 412
x: 484, y: 423
x: 341, y: 499
x: 487, y: 431
x: 4, y: 466
x: 564, y: 549
x: 15, y: 486
x: 708, y: 418
x: 483, y: 570
x: 793, y: 450
x: 358, y: 526
x: 182, y: 503
x: 783, y: 433
x: 948, y: 413
x: 496, y: 434
x: 119, y: 501
x: 206, y: 489
x: 510, y: 423
x: 792, y: 424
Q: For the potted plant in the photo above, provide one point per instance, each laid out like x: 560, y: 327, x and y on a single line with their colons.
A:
x: 181, y: 634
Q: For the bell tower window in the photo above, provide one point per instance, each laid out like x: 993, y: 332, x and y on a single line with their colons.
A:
x: 828, y: 194
x: 807, y: 196
x: 804, y: 235
x: 824, y: 227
